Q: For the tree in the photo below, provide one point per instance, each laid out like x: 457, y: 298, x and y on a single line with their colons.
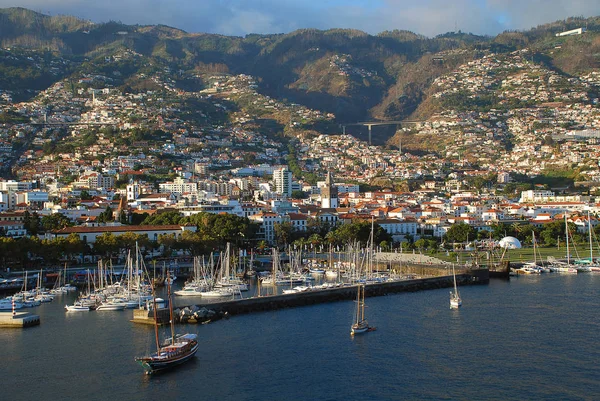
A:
x: 106, y: 245
x: 193, y: 243
x: 421, y: 244
x: 315, y: 240
x: 130, y: 239
x: 168, y: 242
x: 31, y: 222
x: 165, y: 218
x: 385, y: 246
x: 460, y: 233
x: 283, y: 232
x: 297, y: 194
x: 55, y: 221
x: 123, y: 218
x: 73, y: 245
x: 85, y: 195
x: 34, y: 224
x: 361, y: 231
x: 106, y: 215
x: 222, y: 228
x: 552, y: 232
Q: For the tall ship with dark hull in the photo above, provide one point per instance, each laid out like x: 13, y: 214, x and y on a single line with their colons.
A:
x: 173, y: 351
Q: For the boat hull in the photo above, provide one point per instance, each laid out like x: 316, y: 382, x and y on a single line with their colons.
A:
x: 358, y: 330
x: 76, y: 308
x: 153, y: 365
x: 455, y: 303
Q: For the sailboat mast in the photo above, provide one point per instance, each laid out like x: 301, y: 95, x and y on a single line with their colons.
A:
x: 567, y: 238
x: 371, y: 248
x: 358, y: 305
x: 455, y: 287
x: 590, y: 234
x: 170, y: 309
x: 155, y: 318
x: 362, y: 304
x: 534, y: 250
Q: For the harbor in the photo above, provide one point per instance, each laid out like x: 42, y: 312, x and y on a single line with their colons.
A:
x: 344, y: 293
x: 257, y: 356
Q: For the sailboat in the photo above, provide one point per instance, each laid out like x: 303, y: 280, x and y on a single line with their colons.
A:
x: 360, y: 323
x: 561, y: 267
x: 175, y: 350
x: 455, y: 301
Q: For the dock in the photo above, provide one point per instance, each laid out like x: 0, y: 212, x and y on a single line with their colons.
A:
x: 274, y: 302
x: 18, y: 320
x: 145, y: 316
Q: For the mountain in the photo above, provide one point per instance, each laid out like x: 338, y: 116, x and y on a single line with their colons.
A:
x: 347, y: 72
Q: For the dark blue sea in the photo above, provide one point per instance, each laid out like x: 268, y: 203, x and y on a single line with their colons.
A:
x: 531, y: 338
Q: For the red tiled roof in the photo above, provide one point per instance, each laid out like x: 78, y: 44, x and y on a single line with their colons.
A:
x: 102, y: 229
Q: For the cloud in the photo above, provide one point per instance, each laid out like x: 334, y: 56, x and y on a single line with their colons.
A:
x: 240, y: 17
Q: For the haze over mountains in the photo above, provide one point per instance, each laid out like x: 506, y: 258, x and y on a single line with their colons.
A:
x: 349, y: 73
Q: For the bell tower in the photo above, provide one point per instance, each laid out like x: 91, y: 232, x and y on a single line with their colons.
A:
x: 329, y: 194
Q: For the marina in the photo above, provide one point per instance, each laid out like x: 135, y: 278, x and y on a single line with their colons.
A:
x: 423, y: 348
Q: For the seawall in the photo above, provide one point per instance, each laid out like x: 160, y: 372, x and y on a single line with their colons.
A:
x: 274, y: 302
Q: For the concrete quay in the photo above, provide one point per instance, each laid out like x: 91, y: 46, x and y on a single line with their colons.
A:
x: 274, y: 302
x: 19, y: 320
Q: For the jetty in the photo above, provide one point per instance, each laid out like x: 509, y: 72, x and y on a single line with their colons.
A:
x: 145, y: 316
x: 347, y: 292
x: 18, y: 319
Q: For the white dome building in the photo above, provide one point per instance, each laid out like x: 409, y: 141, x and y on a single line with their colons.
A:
x: 510, y: 243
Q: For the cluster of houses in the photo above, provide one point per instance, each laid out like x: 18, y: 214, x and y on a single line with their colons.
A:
x: 406, y: 216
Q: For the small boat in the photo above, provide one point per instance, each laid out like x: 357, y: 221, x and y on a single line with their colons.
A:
x: 219, y: 293
x: 360, y: 323
x: 175, y: 350
x: 455, y: 301
x: 110, y: 306
x: 191, y: 290
x: 77, y: 308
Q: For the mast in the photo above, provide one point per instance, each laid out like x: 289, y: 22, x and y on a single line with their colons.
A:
x: 534, y: 254
x: 155, y: 318
x: 362, y: 304
x: 358, y: 305
x: 100, y: 274
x: 170, y: 309
x: 455, y: 287
x: 590, y: 233
x: 371, y: 248
x: 567, y: 238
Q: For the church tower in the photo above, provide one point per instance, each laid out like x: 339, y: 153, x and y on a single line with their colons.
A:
x: 329, y: 194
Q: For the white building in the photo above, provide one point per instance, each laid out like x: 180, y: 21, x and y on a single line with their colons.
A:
x: 283, y: 181
x: 267, y: 221
x: 89, y: 234
x: 536, y: 196
x: 178, y: 186
x: 399, y: 228
x: 133, y: 191
x: 572, y: 32
x: 12, y: 185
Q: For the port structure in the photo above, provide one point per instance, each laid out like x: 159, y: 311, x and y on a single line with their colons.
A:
x: 370, y: 124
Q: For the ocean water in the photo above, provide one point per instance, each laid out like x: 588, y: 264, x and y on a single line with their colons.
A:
x: 531, y: 338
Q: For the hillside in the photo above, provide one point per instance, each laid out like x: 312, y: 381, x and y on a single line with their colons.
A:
x: 354, y: 75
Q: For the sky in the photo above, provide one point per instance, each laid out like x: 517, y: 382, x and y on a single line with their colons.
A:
x: 241, y: 17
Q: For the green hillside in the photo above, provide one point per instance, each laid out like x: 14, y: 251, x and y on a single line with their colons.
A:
x: 347, y: 72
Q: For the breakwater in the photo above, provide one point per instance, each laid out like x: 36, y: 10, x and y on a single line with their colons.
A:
x: 18, y: 320
x: 274, y: 302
